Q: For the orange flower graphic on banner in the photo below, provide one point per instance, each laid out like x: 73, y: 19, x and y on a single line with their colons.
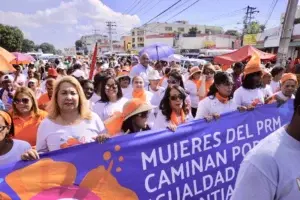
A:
x: 51, y: 180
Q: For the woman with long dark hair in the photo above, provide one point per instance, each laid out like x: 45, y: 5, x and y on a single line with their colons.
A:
x: 112, y: 99
x: 173, y: 109
x: 250, y: 94
x: 219, y: 98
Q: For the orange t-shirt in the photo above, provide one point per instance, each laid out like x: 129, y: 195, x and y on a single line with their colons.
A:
x: 26, y: 129
x: 44, y: 99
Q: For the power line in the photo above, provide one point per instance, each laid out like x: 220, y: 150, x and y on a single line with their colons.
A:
x: 163, y: 12
x: 183, y: 10
x: 229, y: 14
x: 271, y: 11
x: 130, y: 7
x: 143, y: 6
x: 156, y: 4
x: 178, y: 13
x: 134, y: 6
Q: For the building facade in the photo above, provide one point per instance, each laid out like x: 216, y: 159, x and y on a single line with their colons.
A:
x: 162, y: 32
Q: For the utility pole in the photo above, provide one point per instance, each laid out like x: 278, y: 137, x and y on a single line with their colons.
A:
x: 111, y: 30
x: 287, y: 30
x: 95, y: 31
x: 248, y: 19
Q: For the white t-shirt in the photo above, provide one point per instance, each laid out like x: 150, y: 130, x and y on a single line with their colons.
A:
x: 7, y: 101
x: 270, y: 170
x: 161, y: 121
x: 52, y: 136
x: 267, y: 91
x: 275, y: 86
x: 127, y: 91
x: 191, y: 87
x: 211, y: 105
x: 246, y: 97
x: 14, y: 155
x: 157, y: 95
x: 106, y: 110
x: 283, y: 97
x: 95, y: 98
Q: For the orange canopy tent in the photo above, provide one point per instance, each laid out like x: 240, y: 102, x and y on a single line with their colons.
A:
x: 242, y: 54
x: 5, y: 59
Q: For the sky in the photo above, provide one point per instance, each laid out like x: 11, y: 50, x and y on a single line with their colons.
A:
x: 63, y: 22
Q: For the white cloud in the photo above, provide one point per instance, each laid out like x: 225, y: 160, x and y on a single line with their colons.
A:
x: 81, y: 16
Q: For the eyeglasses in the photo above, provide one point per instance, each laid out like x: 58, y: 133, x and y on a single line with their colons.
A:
x: 23, y: 100
x: 208, y: 72
x: 114, y: 86
x: 2, y: 128
x: 175, y: 97
x: 172, y: 81
x: 143, y: 114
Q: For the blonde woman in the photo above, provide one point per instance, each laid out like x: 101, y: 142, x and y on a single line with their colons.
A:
x: 70, y: 121
x: 26, y: 115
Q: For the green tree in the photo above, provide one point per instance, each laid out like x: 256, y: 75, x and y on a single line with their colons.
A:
x: 28, y: 45
x: 232, y: 32
x: 254, y: 28
x: 78, y: 44
x: 193, y: 30
x: 11, y: 38
x: 58, y: 52
x: 46, y: 48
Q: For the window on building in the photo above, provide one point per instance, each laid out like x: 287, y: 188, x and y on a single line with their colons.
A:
x: 140, y: 33
x: 180, y: 29
x: 140, y: 45
x: 133, y: 45
x: 132, y: 33
x: 167, y: 28
x: 133, y: 40
x: 140, y: 39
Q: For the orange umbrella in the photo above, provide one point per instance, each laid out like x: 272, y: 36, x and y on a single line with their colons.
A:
x: 5, y: 66
x: 6, y: 55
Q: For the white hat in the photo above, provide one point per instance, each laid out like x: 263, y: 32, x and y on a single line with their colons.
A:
x: 153, y: 75
x: 32, y: 80
x: 61, y: 66
x: 78, y: 73
x: 7, y: 77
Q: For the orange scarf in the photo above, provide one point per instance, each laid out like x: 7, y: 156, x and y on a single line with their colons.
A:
x: 198, y: 83
x: 223, y: 100
x: 208, y: 83
x: 139, y: 94
x: 174, y: 119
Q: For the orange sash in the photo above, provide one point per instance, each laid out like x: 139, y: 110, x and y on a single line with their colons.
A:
x: 223, y: 100
x: 198, y: 83
x: 139, y: 94
x: 174, y: 119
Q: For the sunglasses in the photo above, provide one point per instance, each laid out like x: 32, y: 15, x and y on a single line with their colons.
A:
x: 23, y: 100
x: 175, y: 97
x: 208, y: 72
x: 2, y: 128
x: 172, y: 82
x: 143, y: 114
x: 114, y: 86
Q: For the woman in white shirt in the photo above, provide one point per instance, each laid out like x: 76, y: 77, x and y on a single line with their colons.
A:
x: 219, y: 99
x: 173, y: 109
x: 33, y: 85
x: 193, y: 86
x: 277, y: 73
x: 154, y: 88
x: 266, y: 80
x: 139, y: 92
x: 250, y: 94
x: 12, y: 150
x: 288, y: 88
x: 124, y: 80
x: 112, y: 99
x: 70, y: 121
